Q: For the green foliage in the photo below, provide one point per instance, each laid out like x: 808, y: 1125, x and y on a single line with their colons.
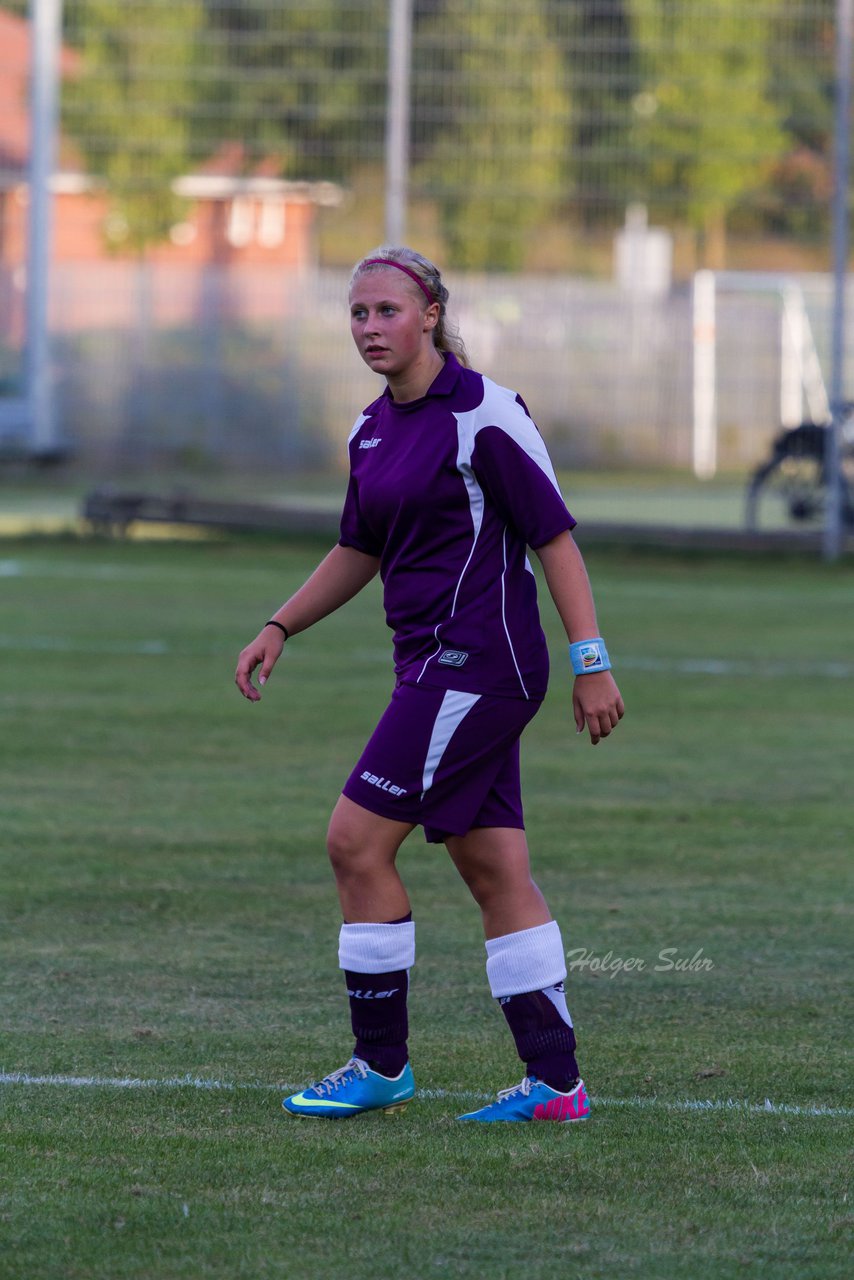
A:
x: 497, y: 169
x: 301, y: 84
x: 597, y: 46
x: 798, y: 197
x: 131, y: 110
x: 296, y: 89
x: 716, y: 114
x: 707, y: 131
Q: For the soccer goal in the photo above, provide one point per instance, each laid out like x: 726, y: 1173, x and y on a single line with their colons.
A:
x: 724, y: 306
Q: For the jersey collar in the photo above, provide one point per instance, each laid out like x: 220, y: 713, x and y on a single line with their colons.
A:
x: 443, y: 384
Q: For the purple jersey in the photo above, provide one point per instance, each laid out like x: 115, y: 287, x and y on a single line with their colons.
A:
x: 448, y: 491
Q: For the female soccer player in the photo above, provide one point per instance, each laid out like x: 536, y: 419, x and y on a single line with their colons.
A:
x: 449, y: 483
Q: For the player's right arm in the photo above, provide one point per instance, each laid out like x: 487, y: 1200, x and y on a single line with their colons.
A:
x: 339, y: 577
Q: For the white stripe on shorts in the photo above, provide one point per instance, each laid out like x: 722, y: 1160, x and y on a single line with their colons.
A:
x: 455, y: 707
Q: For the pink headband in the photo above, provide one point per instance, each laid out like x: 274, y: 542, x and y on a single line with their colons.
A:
x: 390, y: 262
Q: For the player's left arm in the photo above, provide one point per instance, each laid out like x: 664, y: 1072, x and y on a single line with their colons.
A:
x: 596, y: 699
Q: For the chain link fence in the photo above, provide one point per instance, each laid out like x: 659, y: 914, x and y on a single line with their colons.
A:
x: 221, y: 164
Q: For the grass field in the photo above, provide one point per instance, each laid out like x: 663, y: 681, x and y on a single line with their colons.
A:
x: 169, y: 938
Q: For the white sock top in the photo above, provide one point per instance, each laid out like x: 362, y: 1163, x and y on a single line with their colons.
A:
x: 529, y: 960
x: 377, y: 948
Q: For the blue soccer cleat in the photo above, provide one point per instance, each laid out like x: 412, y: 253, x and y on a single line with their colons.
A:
x: 351, y: 1090
x: 533, y: 1100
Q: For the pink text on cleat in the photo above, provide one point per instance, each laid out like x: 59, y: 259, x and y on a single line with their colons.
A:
x: 565, y: 1107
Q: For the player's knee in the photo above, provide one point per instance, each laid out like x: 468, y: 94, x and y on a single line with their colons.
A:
x: 484, y: 886
x: 491, y: 885
x: 348, y: 852
x: 340, y: 845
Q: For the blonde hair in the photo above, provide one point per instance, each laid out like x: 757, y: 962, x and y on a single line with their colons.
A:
x: 446, y: 336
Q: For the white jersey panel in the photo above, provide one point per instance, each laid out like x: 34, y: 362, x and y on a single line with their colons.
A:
x: 468, y: 425
x: 362, y: 418
x: 500, y: 408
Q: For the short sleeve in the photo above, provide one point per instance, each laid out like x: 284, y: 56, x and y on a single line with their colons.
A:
x: 514, y: 470
x: 355, y: 531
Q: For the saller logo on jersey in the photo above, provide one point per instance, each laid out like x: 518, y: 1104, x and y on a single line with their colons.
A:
x: 453, y: 658
x: 370, y: 444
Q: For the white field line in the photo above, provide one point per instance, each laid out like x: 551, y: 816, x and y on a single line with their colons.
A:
x: 463, y: 1096
x: 154, y: 648
x: 120, y: 571
x: 730, y: 667
x: 658, y: 666
x: 105, y: 571
x: 58, y: 644
x: 115, y: 572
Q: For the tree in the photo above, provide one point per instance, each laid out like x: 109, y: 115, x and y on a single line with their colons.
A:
x: 131, y: 110
x: 803, y: 83
x: 303, y: 84
x: 706, y: 130
x: 496, y: 166
x: 595, y: 38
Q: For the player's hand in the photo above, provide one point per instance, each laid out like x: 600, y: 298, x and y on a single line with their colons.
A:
x: 264, y: 652
x: 597, y: 704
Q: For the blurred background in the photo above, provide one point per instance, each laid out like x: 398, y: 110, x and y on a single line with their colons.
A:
x: 631, y: 200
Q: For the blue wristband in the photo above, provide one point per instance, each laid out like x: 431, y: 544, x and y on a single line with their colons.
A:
x: 588, y: 656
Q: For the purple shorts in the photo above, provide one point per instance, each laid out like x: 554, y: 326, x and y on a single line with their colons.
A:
x: 444, y: 759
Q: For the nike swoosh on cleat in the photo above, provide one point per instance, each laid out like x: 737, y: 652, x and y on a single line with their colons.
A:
x: 301, y: 1100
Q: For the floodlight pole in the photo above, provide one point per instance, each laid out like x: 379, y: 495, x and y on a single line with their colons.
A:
x: 397, y: 120
x: 833, y: 530
x: 45, y: 29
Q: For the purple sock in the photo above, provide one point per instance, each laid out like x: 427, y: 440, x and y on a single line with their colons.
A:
x: 545, y: 1040
x: 379, y: 1019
